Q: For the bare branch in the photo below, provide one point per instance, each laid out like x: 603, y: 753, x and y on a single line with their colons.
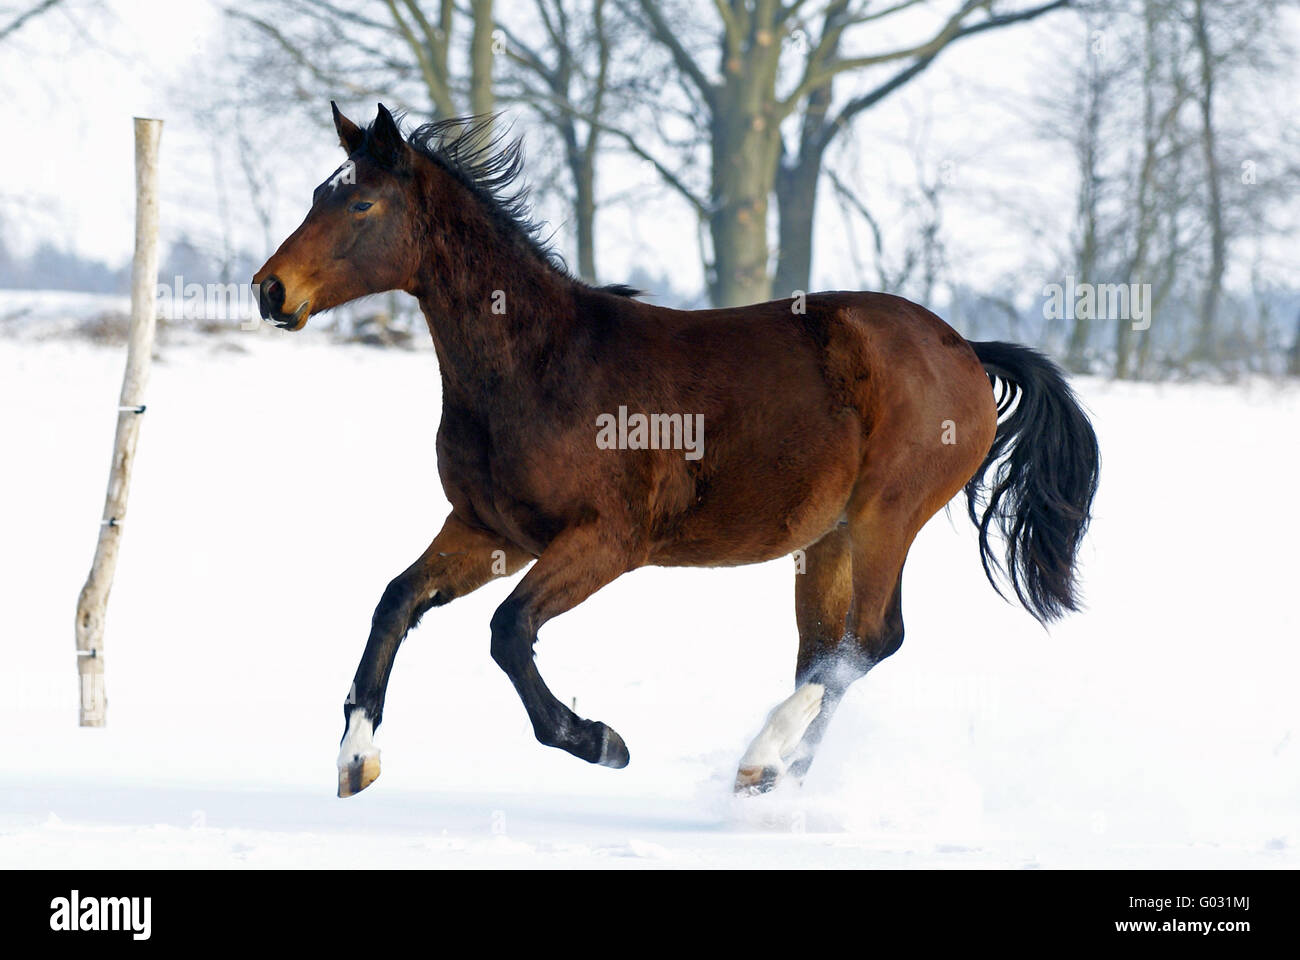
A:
x: 30, y: 13
x: 668, y: 37
x: 819, y: 71
x: 874, y: 96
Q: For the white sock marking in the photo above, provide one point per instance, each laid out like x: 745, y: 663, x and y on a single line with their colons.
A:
x: 358, y: 742
x: 785, y: 727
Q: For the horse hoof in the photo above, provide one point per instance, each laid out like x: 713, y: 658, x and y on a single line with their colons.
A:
x: 359, y: 774
x: 754, y: 781
x: 613, y: 751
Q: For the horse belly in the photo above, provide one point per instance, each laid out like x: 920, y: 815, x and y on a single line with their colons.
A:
x: 764, y: 501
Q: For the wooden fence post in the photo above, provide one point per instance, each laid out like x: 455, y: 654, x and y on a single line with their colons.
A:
x: 93, y: 602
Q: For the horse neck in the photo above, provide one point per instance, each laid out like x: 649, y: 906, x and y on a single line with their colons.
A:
x: 493, y: 305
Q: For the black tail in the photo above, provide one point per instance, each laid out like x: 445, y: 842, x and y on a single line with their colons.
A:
x: 1044, y: 463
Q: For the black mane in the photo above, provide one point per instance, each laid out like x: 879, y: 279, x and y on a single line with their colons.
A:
x: 488, y: 164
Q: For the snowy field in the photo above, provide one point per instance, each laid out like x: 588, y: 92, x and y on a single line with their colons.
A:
x: 282, y: 481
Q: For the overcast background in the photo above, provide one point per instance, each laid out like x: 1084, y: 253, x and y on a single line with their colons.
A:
x: 972, y: 172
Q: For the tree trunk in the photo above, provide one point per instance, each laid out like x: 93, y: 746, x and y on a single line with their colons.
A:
x: 482, y: 99
x: 1293, y: 355
x: 744, y: 111
x: 583, y: 170
x: 1076, y: 356
x: 796, y: 200
x: 743, y: 177
x: 746, y: 145
x: 1213, y: 289
x: 1145, y: 206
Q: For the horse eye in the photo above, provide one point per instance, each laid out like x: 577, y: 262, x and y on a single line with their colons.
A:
x: 361, y: 206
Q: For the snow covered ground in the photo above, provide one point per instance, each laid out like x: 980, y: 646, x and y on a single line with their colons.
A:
x: 282, y: 481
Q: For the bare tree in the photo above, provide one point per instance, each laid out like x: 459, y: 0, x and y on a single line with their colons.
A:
x: 452, y: 59
x: 393, y: 48
x: 565, y: 78
x: 744, y: 103
x: 1093, y: 87
x: 819, y: 125
x: 1156, y: 206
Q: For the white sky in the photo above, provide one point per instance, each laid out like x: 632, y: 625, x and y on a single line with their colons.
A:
x: 79, y: 75
x: 75, y: 78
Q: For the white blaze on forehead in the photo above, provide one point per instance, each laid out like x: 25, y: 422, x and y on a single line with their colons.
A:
x: 359, y: 739
x: 344, y: 174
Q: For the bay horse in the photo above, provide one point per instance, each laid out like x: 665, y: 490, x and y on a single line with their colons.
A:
x: 832, y: 426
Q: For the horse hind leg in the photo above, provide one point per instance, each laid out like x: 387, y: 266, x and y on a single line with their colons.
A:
x: 770, y: 753
x: 862, y: 647
x: 823, y: 591
x: 848, y: 606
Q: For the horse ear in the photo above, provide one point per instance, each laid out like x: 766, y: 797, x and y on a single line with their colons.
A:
x: 350, y: 135
x: 387, y: 145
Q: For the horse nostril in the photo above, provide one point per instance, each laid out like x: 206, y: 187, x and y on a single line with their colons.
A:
x: 271, y: 293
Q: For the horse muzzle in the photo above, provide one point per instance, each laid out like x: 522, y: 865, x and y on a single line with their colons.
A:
x: 270, y: 302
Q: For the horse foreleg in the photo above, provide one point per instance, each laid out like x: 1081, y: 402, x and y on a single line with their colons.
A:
x: 460, y: 560
x: 576, y: 564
